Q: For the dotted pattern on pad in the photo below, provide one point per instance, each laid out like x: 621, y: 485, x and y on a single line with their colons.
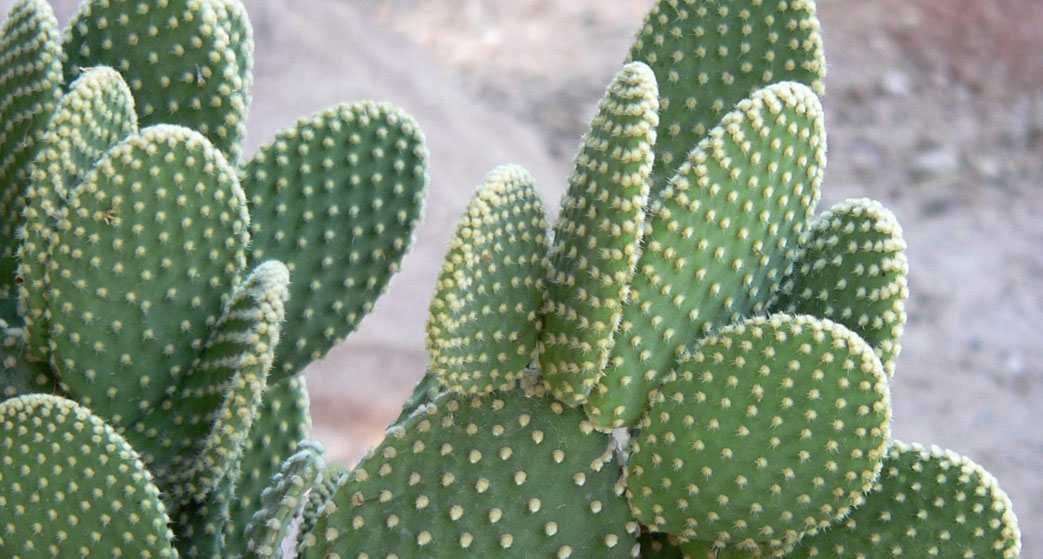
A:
x: 928, y: 502
x: 154, y: 242
x: 30, y: 85
x: 177, y: 58
x: 504, y: 476
x: 852, y: 268
x: 721, y: 239
x: 71, y: 486
x: 598, y: 234
x: 709, y: 54
x: 337, y: 199
x: 771, y: 429
x: 283, y: 501
x: 483, y: 317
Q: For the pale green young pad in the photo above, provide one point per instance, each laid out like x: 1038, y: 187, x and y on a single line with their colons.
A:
x: 281, y: 424
x: 721, y: 238
x: 928, y: 502
x: 503, y: 475
x: 771, y: 429
x: 71, y: 486
x: 336, y: 198
x: 178, y: 58
x: 94, y: 115
x: 333, y: 476
x: 708, y: 55
x: 154, y: 241
x: 598, y: 234
x: 851, y: 268
x: 283, y: 501
x: 30, y: 85
x: 481, y: 332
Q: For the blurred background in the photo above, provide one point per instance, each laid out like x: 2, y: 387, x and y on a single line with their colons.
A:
x: 933, y: 108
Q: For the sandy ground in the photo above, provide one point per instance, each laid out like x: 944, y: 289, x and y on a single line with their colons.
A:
x: 935, y: 109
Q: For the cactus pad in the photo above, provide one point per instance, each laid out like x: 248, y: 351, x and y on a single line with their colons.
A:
x: 598, y: 234
x: 482, y: 326
x: 498, y: 476
x: 708, y: 55
x: 93, y: 116
x: 336, y: 198
x: 722, y: 237
x: 30, y: 85
x: 283, y: 501
x: 177, y: 58
x: 155, y: 236
x: 852, y: 269
x: 72, y: 486
x: 769, y: 430
x: 928, y: 502
x: 18, y: 374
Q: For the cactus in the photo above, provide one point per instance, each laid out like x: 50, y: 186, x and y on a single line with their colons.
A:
x: 690, y: 363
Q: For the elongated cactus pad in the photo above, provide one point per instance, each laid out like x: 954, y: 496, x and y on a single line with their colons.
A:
x: 928, y: 502
x: 721, y: 239
x: 598, y: 234
x: 424, y: 392
x: 283, y: 501
x: 708, y: 55
x: 481, y: 334
x: 852, y: 269
x: 155, y: 239
x: 93, y: 116
x: 70, y: 486
x: 770, y: 430
x: 336, y: 198
x: 333, y: 476
x: 216, y: 404
x: 177, y: 57
x: 281, y: 424
x: 202, y: 525
x: 30, y: 85
x: 497, y: 476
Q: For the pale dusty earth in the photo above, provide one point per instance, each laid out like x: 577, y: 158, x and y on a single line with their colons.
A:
x: 933, y: 108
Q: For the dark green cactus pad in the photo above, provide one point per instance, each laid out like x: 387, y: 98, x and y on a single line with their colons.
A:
x: 93, y: 116
x: 722, y: 237
x: 201, y: 525
x: 154, y: 241
x: 481, y: 333
x: 30, y: 85
x: 281, y: 424
x: 657, y: 545
x: 333, y: 476
x: 852, y: 269
x: 70, y: 486
x: 424, y: 392
x: 503, y: 475
x: 771, y: 429
x: 709, y: 55
x: 336, y: 198
x: 178, y: 58
x: 19, y: 375
x: 198, y: 434
x: 283, y: 502
x: 928, y: 502
x: 598, y: 234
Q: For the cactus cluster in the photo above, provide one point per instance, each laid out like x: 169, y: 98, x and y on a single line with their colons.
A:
x: 160, y: 293
x: 691, y: 362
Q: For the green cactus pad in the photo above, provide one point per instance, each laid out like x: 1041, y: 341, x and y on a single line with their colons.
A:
x: 94, y: 115
x: 177, y: 57
x: 481, y: 334
x: 19, y: 375
x: 336, y: 198
x: 283, y: 501
x: 771, y: 429
x: 205, y: 424
x: 155, y: 236
x: 708, y: 55
x: 722, y: 238
x: 281, y: 424
x: 424, y: 392
x: 233, y: 16
x: 71, y: 486
x: 598, y: 234
x: 201, y: 525
x: 657, y: 545
x: 335, y: 475
x: 928, y: 502
x: 852, y: 269
x: 498, y: 476
x: 30, y: 85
